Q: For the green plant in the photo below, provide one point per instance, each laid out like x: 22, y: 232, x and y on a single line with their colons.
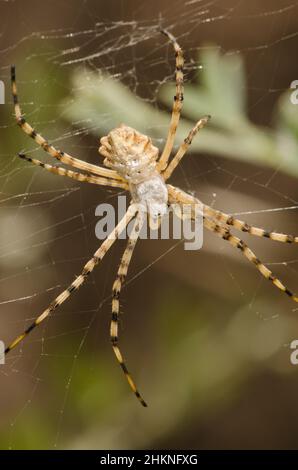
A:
x: 220, y: 90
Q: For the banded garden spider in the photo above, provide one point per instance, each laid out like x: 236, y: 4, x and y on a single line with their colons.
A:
x: 132, y: 163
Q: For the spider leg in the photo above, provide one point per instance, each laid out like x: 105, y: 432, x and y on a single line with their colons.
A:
x: 88, y: 268
x: 179, y: 196
x: 59, y: 170
x: 236, y: 242
x: 184, y: 147
x: 45, y: 145
x: 176, y: 195
x: 177, y: 105
x: 120, y: 279
x: 244, y: 227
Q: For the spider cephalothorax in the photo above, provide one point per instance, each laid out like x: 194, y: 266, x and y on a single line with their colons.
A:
x: 132, y: 163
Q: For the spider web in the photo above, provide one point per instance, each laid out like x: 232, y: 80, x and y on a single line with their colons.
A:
x: 210, y: 316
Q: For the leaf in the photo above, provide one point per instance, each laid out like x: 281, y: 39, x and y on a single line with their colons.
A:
x: 287, y: 114
x: 101, y: 102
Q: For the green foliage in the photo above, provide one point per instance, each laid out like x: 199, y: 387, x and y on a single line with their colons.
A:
x: 104, y: 102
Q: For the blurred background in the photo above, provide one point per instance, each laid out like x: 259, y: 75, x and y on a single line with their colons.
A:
x: 206, y: 339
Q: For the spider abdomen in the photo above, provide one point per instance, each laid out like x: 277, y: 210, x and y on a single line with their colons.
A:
x: 130, y: 153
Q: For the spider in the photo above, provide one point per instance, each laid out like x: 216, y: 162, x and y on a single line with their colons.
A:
x: 133, y: 163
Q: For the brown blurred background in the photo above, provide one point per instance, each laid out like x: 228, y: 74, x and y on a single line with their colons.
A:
x: 206, y: 339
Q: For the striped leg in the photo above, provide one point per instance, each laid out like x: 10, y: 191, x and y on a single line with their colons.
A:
x: 177, y: 105
x: 184, y: 147
x: 120, y: 279
x: 43, y: 143
x: 179, y: 196
x: 59, y: 170
x: 176, y: 195
x: 236, y: 242
x: 88, y: 268
x: 244, y: 227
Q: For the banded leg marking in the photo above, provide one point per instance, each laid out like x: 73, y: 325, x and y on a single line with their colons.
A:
x: 88, y: 268
x: 184, y: 147
x: 59, y: 170
x: 242, y: 226
x: 179, y: 196
x: 225, y: 234
x: 120, y: 279
x: 177, y: 104
x: 45, y: 145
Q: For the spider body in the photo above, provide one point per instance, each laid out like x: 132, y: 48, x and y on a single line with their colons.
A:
x: 133, y: 163
x: 134, y: 157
